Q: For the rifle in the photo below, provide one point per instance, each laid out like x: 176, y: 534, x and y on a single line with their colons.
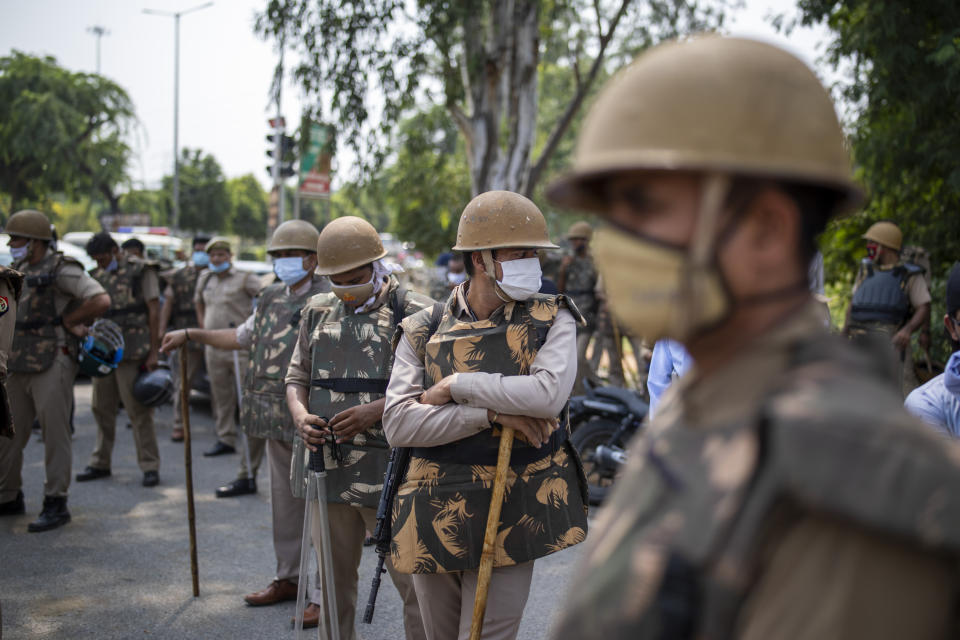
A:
x: 396, y: 472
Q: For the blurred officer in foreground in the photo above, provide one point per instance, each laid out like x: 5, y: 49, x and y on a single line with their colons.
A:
x: 59, y: 299
x: 134, y: 290
x: 268, y: 336
x: 335, y: 389
x: 496, y: 355
x: 224, y: 299
x: 890, y: 301
x: 180, y: 312
x: 11, y: 284
x: 781, y: 491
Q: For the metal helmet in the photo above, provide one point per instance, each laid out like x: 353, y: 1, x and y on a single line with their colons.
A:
x: 153, y: 388
x: 347, y: 243
x: 885, y: 233
x: 711, y: 104
x: 294, y: 234
x: 501, y: 219
x: 218, y: 242
x: 29, y: 224
x: 102, y: 349
x: 581, y: 230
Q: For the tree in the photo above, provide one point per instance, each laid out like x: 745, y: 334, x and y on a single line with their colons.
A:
x: 60, y: 131
x: 248, y: 207
x: 204, y: 203
x: 481, y: 59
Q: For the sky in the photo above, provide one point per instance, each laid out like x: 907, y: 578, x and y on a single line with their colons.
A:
x: 225, y: 70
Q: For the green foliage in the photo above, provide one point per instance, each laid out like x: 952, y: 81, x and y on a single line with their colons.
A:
x: 144, y: 201
x: 204, y: 201
x: 60, y: 131
x: 248, y: 207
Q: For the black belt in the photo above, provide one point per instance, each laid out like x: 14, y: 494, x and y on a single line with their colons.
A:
x: 123, y: 311
x: 352, y: 385
x: 461, y: 452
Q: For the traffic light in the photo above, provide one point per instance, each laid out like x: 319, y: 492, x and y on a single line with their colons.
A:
x: 287, y: 156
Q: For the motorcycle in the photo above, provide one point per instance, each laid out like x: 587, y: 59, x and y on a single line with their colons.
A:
x: 603, y: 421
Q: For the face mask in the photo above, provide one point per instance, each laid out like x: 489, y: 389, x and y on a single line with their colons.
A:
x: 19, y: 253
x: 113, y: 264
x: 521, y: 278
x: 220, y: 268
x: 456, y: 278
x: 354, y: 294
x: 200, y: 259
x: 290, y: 270
x: 872, y: 250
x: 652, y: 290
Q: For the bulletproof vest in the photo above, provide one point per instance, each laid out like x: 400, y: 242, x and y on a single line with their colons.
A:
x: 882, y: 295
x: 544, y: 510
x: 688, y: 519
x: 276, y: 325
x: 184, y: 285
x: 351, y: 356
x: 127, y: 306
x: 35, y: 336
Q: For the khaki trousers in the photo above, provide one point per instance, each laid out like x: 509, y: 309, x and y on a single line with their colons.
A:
x: 446, y: 602
x: 194, y: 360
x: 348, y: 527
x: 257, y: 447
x: 108, y: 392
x: 223, y: 391
x: 287, y: 516
x: 46, y: 396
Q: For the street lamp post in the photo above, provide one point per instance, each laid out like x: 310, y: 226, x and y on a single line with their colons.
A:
x: 176, y: 100
x: 99, y: 32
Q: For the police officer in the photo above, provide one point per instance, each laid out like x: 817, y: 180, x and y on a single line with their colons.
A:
x: 179, y: 312
x: 59, y: 298
x: 890, y: 300
x: 577, y: 278
x: 224, y: 299
x: 269, y: 335
x: 781, y: 491
x: 11, y: 284
x: 339, y: 371
x: 500, y: 354
x: 134, y: 290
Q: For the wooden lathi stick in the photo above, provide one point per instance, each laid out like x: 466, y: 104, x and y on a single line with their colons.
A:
x: 490, y: 535
x: 188, y: 468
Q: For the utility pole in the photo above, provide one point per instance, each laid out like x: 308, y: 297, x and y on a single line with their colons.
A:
x: 176, y: 100
x: 99, y: 32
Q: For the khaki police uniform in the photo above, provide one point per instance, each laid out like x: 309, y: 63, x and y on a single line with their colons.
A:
x: 131, y: 287
x: 42, y: 367
x: 11, y: 284
x: 344, y: 358
x: 227, y: 299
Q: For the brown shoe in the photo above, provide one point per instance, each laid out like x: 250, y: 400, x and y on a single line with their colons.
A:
x: 311, y: 616
x: 176, y: 435
x: 278, y: 591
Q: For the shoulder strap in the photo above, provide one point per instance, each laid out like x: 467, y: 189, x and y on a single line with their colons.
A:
x: 398, y: 300
x: 435, y: 315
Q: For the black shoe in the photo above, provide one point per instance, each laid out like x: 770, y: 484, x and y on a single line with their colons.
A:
x: 219, y: 449
x: 239, y: 487
x: 14, y: 507
x: 151, y: 478
x: 54, y: 514
x: 92, y: 473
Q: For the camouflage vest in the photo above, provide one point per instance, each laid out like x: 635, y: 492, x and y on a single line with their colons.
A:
x: 127, y: 306
x: 183, y: 282
x: 263, y: 412
x: 440, y: 511
x: 35, y: 337
x: 351, y: 356
x: 581, y: 282
x: 681, y: 541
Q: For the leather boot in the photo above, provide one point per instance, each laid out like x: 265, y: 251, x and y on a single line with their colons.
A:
x: 14, y: 507
x: 54, y: 514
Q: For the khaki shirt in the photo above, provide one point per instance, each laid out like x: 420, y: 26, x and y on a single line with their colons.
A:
x: 8, y: 320
x: 150, y: 285
x: 227, y: 297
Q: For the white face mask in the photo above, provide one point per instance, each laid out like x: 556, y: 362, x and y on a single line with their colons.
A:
x: 456, y: 278
x: 19, y: 253
x: 521, y: 278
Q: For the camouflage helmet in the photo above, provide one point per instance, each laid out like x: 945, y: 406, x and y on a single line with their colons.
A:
x: 29, y: 224
x: 501, y: 219
x: 581, y: 230
x: 711, y: 104
x: 347, y: 243
x: 886, y: 234
x: 294, y: 234
x: 218, y: 242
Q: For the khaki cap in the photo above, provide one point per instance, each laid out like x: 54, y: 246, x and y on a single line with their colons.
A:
x: 501, y: 219
x: 885, y: 233
x: 580, y: 230
x: 347, y: 243
x: 294, y: 234
x: 711, y: 104
x: 218, y: 242
x: 29, y: 224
